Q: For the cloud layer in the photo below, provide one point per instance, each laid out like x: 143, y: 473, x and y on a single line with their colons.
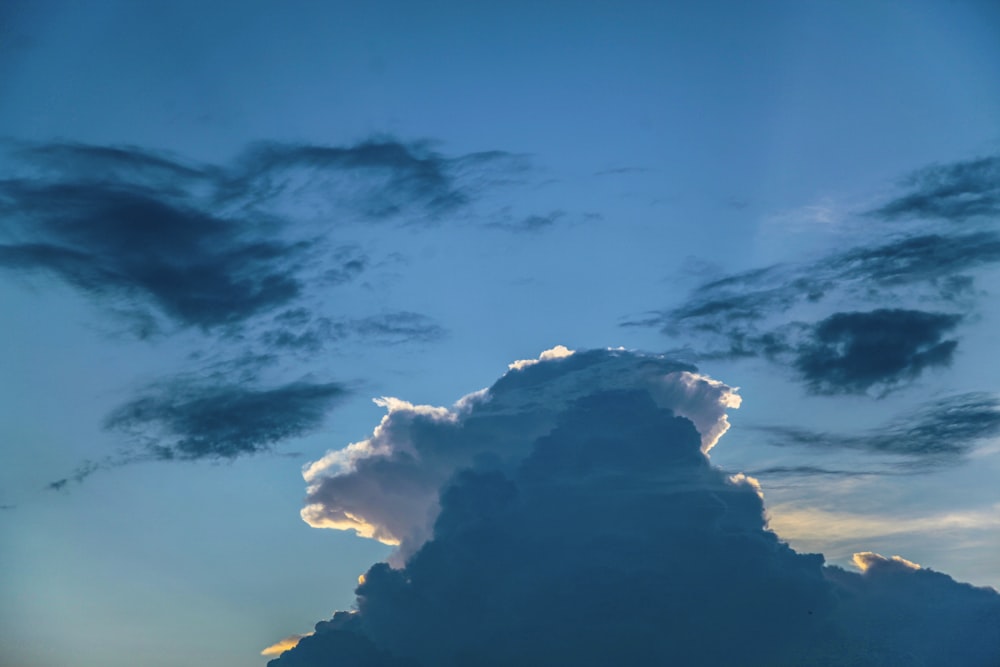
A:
x: 793, y: 314
x: 577, y: 520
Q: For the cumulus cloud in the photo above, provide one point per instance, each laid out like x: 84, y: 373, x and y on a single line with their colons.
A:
x: 282, y: 645
x: 386, y: 487
x: 577, y: 520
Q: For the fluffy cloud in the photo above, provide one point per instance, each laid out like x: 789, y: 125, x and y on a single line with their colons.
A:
x: 387, y: 486
x: 577, y: 520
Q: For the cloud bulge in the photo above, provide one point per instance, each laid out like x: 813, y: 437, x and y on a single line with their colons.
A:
x: 569, y: 514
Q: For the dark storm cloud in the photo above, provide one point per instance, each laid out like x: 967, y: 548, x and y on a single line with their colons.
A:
x: 852, y: 352
x: 188, y: 420
x: 942, y: 431
x: 611, y: 539
x: 957, y: 191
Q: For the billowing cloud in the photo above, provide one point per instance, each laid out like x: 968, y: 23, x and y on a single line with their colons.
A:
x: 386, y: 487
x: 580, y: 522
x: 282, y: 645
x: 957, y: 191
x: 943, y: 430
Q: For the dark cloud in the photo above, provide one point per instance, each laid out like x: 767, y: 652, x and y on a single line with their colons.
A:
x: 932, y: 259
x: 189, y: 420
x: 213, y: 246
x: 942, y: 431
x: 766, y: 312
x: 604, y: 536
x: 852, y: 352
x: 127, y: 243
x: 957, y: 191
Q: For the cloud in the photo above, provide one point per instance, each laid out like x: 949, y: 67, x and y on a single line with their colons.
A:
x: 816, y: 528
x: 188, y: 420
x: 529, y: 224
x: 213, y: 246
x: 580, y: 522
x: 298, y: 331
x: 946, y: 429
x: 120, y: 242
x: 377, y: 179
x: 386, y: 487
x: 957, y: 192
x: 852, y: 352
x: 283, y: 645
x: 782, y: 312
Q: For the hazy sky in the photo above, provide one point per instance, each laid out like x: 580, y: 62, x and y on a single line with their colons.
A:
x: 226, y: 227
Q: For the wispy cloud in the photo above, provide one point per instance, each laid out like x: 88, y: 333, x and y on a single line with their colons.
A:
x: 188, y: 420
x: 943, y: 430
x: 957, y: 192
x: 213, y: 246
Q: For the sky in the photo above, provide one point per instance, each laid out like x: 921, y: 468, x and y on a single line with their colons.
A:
x: 670, y: 319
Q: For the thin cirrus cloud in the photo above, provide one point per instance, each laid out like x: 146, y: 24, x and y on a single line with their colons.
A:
x: 581, y: 522
x: 956, y: 192
x: 298, y: 330
x: 944, y: 430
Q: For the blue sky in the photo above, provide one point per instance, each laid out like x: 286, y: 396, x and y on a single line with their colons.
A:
x: 226, y: 229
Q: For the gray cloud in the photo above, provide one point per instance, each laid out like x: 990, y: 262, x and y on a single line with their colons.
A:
x: 942, y: 431
x: 753, y: 313
x: 121, y: 242
x: 852, y: 352
x: 214, y: 246
x: 957, y: 192
x: 604, y: 536
x: 298, y: 331
x: 188, y: 420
